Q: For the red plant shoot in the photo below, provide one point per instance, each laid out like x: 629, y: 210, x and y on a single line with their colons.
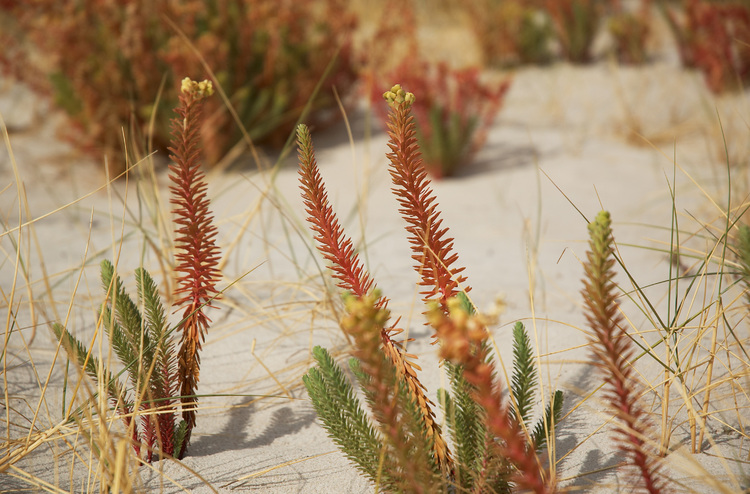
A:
x: 432, y: 250
x: 613, y: 352
x: 462, y: 338
x: 197, y: 254
x: 343, y: 261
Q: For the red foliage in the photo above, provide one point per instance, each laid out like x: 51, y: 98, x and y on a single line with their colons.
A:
x: 576, y: 23
x: 364, y: 321
x: 714, y: 37
x: 613, y: 352
x: 511, y: 32
x: 105, y: 62
x: 338, y: 250
x: 197, y: 254
x: 335, y: 246
x: 432, y: 249
x: 630, y: 30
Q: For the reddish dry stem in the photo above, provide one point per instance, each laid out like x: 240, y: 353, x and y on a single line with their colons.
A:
x: 364, y: 323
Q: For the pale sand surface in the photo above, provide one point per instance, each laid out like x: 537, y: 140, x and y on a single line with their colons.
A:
x: 561, y: 128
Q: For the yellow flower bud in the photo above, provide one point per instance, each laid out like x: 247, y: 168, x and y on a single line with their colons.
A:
x: 397, y: 96
x: 187, y: 85
x: 198, y: 89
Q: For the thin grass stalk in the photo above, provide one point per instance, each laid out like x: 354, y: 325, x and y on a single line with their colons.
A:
x: 709, y: 376
x: 665, y: 433
x: 734, y: 387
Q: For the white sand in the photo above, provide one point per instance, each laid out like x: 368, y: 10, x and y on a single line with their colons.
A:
x: 561, y: 127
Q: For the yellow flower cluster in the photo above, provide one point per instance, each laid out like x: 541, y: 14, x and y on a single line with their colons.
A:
x: 198, y: 89
x: 461, y: 333
x: 397, y: 96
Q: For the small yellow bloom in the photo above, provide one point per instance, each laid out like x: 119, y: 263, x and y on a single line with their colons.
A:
x: 397, y: 96
x: 198, y: 89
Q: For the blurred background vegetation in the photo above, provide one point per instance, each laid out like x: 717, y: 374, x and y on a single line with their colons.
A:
x: 112, y: 66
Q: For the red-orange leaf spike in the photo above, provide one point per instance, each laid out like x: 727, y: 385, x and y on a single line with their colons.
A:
x: 197, y: 255
x: 613, y: 351
x: 338, y: 250
x: 335, y: 246
x: 431, y: 248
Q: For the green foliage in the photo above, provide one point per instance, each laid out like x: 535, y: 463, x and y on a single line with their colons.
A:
x: 106, y: 63
x: 630, y: 32
x: 65, y: 95
x: 137, y: 329
x: 514, y: 32
x: 511, y: 32
x: 534, y: 36
x: 465, y: 418
x: 78, y: 352
x: 575, y: 23
x: 448, y: 140
x: 144, y: 348
x: 366, y: 444
x: 391, y: 447
x: 524, y: 378
x: 525, y: 385
x: 156, y: 328
x: 341, y: 413
x: 179, y: 435
x: 491, y: 453
x: 546, y: 425
x: 124, y: 327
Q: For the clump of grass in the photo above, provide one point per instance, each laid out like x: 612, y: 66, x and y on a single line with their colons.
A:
x: 400, y: 447
x: 691, y: 333
x: 456, y: 106
x: 512, y: 32
x: 630, y: 32
x: 576, y: 23
x: 137, y: 329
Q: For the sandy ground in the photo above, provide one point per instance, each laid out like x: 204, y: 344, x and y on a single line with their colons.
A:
x: 566, y: 139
